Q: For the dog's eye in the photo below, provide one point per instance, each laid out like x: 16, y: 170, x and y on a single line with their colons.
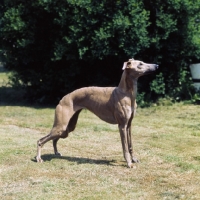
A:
x: 139, y: 66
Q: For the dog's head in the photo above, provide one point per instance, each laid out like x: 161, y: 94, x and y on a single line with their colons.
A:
x: 138, y: 68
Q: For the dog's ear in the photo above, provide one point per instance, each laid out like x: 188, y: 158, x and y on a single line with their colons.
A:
x: 124, y: 66
x: 127, y: 65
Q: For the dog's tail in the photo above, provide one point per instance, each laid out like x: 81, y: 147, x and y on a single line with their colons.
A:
x: 73, y: 121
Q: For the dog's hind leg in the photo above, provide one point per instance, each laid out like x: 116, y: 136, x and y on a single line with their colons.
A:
x: 54, y: 135
x: 40, y: 144
x: 71, y: 126
x: 73, y: 121
x: 55, y: 147
x: 58, y: 129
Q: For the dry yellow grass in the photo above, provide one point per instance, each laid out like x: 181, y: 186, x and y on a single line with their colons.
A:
x: 166, y: 141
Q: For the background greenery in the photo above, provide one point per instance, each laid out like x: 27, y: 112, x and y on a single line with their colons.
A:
x: 54, y: 47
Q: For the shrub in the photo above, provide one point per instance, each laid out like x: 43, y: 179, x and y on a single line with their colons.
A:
x: 56, y: 46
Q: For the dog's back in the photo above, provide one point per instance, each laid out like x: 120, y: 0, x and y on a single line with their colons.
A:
x: 98, y: 100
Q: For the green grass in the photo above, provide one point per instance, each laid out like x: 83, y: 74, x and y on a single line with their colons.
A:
x: 166, y: 140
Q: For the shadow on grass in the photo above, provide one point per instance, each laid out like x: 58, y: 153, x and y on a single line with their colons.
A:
x: 79, y: 160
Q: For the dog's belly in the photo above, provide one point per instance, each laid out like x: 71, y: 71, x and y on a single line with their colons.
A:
x: 104, y: 115
x: 98, y: 100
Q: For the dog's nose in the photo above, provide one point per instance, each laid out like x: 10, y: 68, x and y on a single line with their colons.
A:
x: 156, y: 66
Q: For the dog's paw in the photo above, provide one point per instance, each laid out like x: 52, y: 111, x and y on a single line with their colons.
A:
x: 135, y: 160
x: 131, y: 165
x: 38, y: 159
x: 58, y: 154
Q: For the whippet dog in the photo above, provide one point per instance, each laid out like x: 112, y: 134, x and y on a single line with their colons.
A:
x: 114, y: 105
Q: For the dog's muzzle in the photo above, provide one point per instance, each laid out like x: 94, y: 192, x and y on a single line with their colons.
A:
x: 153, y: 67
x: 156, y: 66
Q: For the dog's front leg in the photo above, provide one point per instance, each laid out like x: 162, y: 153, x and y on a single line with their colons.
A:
x: 129, y: 137
x: 124, y: 140
x: 130, y: 145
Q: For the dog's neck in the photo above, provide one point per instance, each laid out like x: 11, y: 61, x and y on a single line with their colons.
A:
x: 128, y: 84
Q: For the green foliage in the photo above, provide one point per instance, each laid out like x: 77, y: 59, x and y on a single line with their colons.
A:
x: 56, y: 46
x: 196, y: 98
x: 175, y: 44
x: 141, y: 100
x: 158, y: 84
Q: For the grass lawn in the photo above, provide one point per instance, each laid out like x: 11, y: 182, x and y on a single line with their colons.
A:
x: 166, y: 140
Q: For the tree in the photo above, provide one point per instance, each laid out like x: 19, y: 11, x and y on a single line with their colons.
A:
x: 175, y: 43
x: 57, y: 46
